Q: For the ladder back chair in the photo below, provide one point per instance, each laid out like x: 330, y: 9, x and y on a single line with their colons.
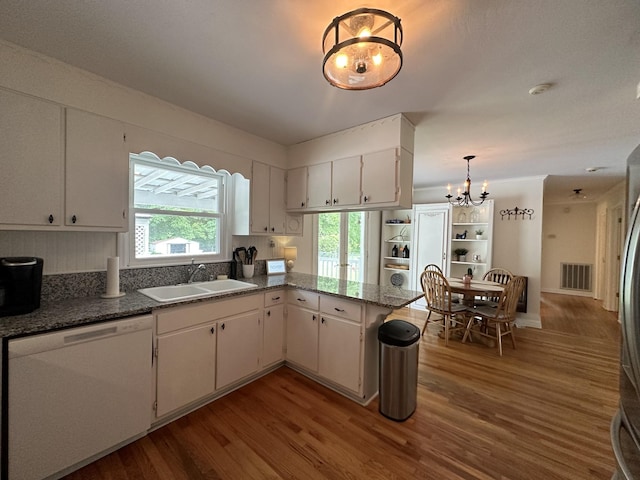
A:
x: 497, y: 275
x: 437, y: 293
x: 499, y: 318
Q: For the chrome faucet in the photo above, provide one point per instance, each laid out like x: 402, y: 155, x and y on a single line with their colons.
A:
x: 192, y: 270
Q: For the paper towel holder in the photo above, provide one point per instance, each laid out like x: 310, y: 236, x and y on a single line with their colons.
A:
x: 113, y: 279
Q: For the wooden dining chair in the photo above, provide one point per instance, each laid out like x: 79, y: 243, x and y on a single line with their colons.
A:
x: 498, y: 318
x: 497, y: 275
x: 436, y: 268
x: 437, y: 293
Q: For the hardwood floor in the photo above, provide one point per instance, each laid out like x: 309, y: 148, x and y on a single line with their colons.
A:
x: 541, y: 411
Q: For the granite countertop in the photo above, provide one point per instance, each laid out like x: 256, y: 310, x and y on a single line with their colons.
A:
x: 55, y: 315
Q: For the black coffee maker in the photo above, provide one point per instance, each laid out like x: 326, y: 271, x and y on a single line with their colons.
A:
x: 20, y: 285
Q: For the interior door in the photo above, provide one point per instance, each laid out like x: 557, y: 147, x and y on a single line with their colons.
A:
x: 430, y: 232
x: 341, y: 243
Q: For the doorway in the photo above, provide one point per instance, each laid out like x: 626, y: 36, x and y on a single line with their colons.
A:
x: 341, y: 246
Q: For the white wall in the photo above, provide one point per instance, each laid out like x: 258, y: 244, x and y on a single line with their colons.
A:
x: 517, y: 244
x: 152, y: 124
x: 569, y: 236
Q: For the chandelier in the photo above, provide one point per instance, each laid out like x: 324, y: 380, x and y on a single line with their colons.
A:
x: 464, y: 194
x: 362, y: 49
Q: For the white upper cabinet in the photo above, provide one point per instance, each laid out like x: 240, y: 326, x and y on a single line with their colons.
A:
x: 373, y: 181
x: 96, y: 179
x: 334, y: 185
x: 387, y: 178
x: 345, y: 182
x: 319, y: 186
x: 297, y: 188
x: 267, y: 199
x: 80, y: 184
x: 32, y: 157
x: 277, y: 197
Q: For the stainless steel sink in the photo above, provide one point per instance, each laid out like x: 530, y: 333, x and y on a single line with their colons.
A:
x: 172, y: 293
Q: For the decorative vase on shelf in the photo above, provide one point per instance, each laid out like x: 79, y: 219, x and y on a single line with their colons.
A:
x: 462, y: 217
x: 462, y: 258
x: 478, y: 237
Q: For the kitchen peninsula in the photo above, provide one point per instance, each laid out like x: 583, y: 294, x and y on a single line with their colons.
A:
x: 186, y: 354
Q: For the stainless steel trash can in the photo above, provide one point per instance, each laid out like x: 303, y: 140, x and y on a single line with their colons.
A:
x: 398, y: 377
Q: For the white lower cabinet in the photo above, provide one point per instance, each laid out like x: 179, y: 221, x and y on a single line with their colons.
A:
x: 186, y: 367
x: 238, y: 348
x: 339, y: 352
x: 325, y: 336
x: 273, y: 328
x: 203, y: 347
x: 302, y: 337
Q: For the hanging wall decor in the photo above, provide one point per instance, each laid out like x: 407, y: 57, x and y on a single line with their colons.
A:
x: 515, y: 212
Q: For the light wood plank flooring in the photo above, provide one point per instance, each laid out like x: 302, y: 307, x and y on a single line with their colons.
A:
x: 539, y: 412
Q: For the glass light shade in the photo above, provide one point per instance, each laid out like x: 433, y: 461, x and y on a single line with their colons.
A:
x: 362, y: 49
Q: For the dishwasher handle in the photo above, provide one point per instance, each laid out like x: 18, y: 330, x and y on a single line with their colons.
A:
x: 73, y: 336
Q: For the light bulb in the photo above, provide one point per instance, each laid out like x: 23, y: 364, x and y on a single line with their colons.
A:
x: 364, y: 33
x: 377, y: 59
x: 342, y: 60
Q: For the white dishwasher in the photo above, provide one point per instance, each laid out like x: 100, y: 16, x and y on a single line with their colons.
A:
x: 76, y: 393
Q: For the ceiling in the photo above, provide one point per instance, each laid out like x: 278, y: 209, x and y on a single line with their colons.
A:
x: 468, y: 67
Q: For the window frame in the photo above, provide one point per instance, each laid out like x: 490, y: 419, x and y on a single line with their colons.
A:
x: 126, y: 243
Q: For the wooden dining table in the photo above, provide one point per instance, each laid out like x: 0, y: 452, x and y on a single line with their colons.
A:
x: 476, y: 288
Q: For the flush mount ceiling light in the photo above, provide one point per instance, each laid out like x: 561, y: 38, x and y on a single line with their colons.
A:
x: 362, y: 49
x: 464, y: 194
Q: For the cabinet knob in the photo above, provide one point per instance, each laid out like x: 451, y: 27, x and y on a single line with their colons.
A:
x: 222, y: 326
x: 313, y: 318
x: 212, y: 330
x: 366, y: 199
x: 327, y: 202
x: 50, y: 218
x: 273, y: 299
x: 74, y: 219
x: 266, y: 229
x: 338, y: 309
x: 322, y: 320
x: 301, y: 299
x: 273, y: 229
x: 302, y: 204
x: 335, y: 200
x: 268, y: 313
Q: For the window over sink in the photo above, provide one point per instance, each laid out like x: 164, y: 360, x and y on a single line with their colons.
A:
x: 177, y: 211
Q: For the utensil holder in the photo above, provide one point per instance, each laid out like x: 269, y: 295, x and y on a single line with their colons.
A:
x: 247, y: 270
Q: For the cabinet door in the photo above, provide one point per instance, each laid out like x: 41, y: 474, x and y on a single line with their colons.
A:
x: 380, y: 177
x: 339, y: 352
x: 32, y: 161
x: 186, y: 367
x: 238, y: 347
x: 96, y: 177
x: 302, y: 337
x: 277, y: 193
x: 297, y: 188
x: 319, y: 185
x: 345, y: 184
x: 273, y: 335
x: 260, y: 198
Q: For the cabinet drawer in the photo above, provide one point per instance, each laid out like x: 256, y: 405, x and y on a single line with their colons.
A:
x: 339, y: 307
x: 274, y: 297
x: 303, y: 298
x: 172, y: 319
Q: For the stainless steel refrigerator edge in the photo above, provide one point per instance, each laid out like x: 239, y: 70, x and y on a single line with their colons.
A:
x: 625, y: 426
